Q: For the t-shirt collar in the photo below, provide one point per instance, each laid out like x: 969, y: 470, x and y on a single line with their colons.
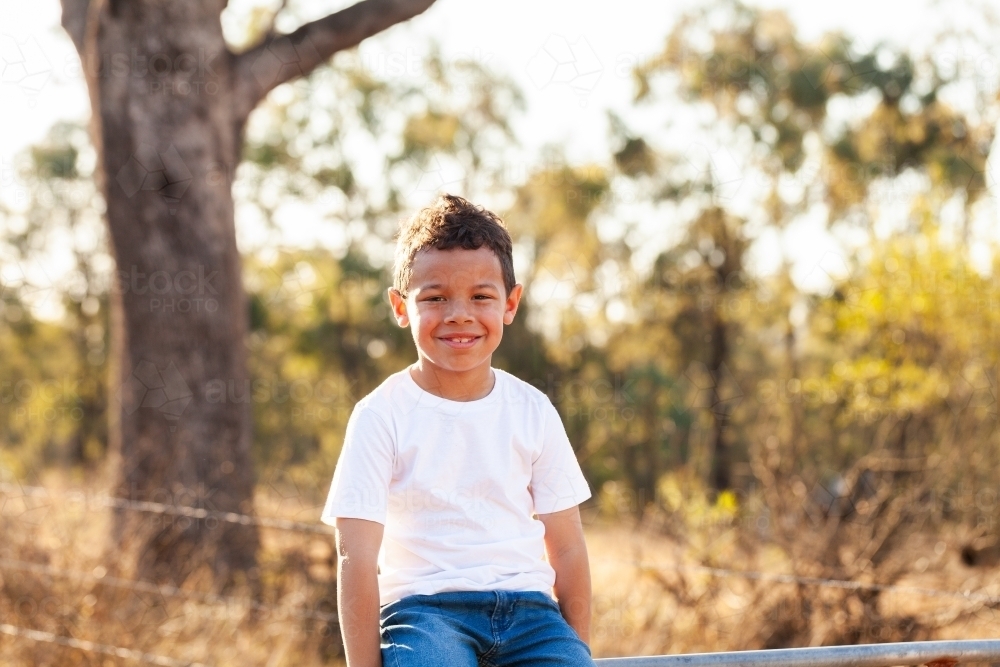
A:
x: 426, y: 399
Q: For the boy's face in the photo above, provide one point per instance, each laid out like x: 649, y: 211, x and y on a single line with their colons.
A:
x: 456, y: 307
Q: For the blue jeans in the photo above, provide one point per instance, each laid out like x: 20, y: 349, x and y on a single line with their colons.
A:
x: 479, y: 629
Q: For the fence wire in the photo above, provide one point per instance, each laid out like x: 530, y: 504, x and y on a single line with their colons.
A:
x: 969, y: 596
x: 90, y: 500
x: 94, y: 647
x: 101, y: 500
x: 164, y: 590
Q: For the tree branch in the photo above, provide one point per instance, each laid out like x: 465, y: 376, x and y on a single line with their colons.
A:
x: 282, y: 58
x: 74, y: 21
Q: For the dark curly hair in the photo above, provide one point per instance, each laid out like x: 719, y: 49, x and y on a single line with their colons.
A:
x: 451, y: 222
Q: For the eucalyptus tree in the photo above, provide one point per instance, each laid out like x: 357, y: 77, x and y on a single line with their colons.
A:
x: 170, y: 101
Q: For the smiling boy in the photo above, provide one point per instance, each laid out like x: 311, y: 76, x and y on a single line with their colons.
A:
x: 456, y: 494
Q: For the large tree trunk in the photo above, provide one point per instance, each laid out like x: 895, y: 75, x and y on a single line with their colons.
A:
x: 169, y: 105
x: 170, y: 142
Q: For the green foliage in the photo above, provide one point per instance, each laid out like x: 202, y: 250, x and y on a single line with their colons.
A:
x: 935, y: 139
x: 757, y: 75
x: 429, y: 132
x: 322, y: 337
x: 634, y: 158
x: 910, y: 338
x: 53, y: 386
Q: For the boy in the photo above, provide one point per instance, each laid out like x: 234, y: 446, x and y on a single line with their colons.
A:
x: 444, y: 464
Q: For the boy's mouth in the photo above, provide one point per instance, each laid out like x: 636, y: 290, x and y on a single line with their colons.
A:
x: 460, y: 341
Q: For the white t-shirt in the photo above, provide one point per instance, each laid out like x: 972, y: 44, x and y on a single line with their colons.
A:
x: 455, y: 484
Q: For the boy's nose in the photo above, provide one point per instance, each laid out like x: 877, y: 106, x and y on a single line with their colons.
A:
x: 458, y: 312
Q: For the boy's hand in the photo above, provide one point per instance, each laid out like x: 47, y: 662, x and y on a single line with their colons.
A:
x: 567, y: 554
x: 358, y: 542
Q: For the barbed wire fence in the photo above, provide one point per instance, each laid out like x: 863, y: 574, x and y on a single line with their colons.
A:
x: 278, y: 611
x: 93, y: 647
x: 105, y: 501
x: 970, y: 596
x: 96, y: 501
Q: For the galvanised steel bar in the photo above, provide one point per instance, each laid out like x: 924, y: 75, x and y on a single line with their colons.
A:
x: 939, y: 654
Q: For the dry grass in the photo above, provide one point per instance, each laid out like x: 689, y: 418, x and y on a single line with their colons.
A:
x: 77, y: 599
x: 650, y: 597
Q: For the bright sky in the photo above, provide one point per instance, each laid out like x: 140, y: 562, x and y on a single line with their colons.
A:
x: 571, y: 58
x: 42, y: 82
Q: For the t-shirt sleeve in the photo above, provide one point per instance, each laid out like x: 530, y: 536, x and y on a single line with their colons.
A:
x: 360, y: 487
x: 557, y: 483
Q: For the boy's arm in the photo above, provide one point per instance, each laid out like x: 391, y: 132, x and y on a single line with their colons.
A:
x: 358, y: 542
x: 567, y: 554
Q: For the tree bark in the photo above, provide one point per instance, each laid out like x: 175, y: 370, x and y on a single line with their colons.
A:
x: 169, y: 104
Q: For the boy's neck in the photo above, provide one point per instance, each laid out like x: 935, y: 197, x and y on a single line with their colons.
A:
x: 470, y: 385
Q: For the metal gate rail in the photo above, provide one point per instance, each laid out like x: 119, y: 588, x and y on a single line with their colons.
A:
x: 937, y: 654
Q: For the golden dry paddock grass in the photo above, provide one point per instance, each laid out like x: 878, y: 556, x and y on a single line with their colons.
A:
x: 652, y: 594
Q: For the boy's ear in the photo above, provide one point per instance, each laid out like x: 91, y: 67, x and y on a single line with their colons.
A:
x: 513, y: 300
x: 398, y: 307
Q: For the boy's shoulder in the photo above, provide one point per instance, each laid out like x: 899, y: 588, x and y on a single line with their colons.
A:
x: 382, y: 399
x: 515, y: 390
